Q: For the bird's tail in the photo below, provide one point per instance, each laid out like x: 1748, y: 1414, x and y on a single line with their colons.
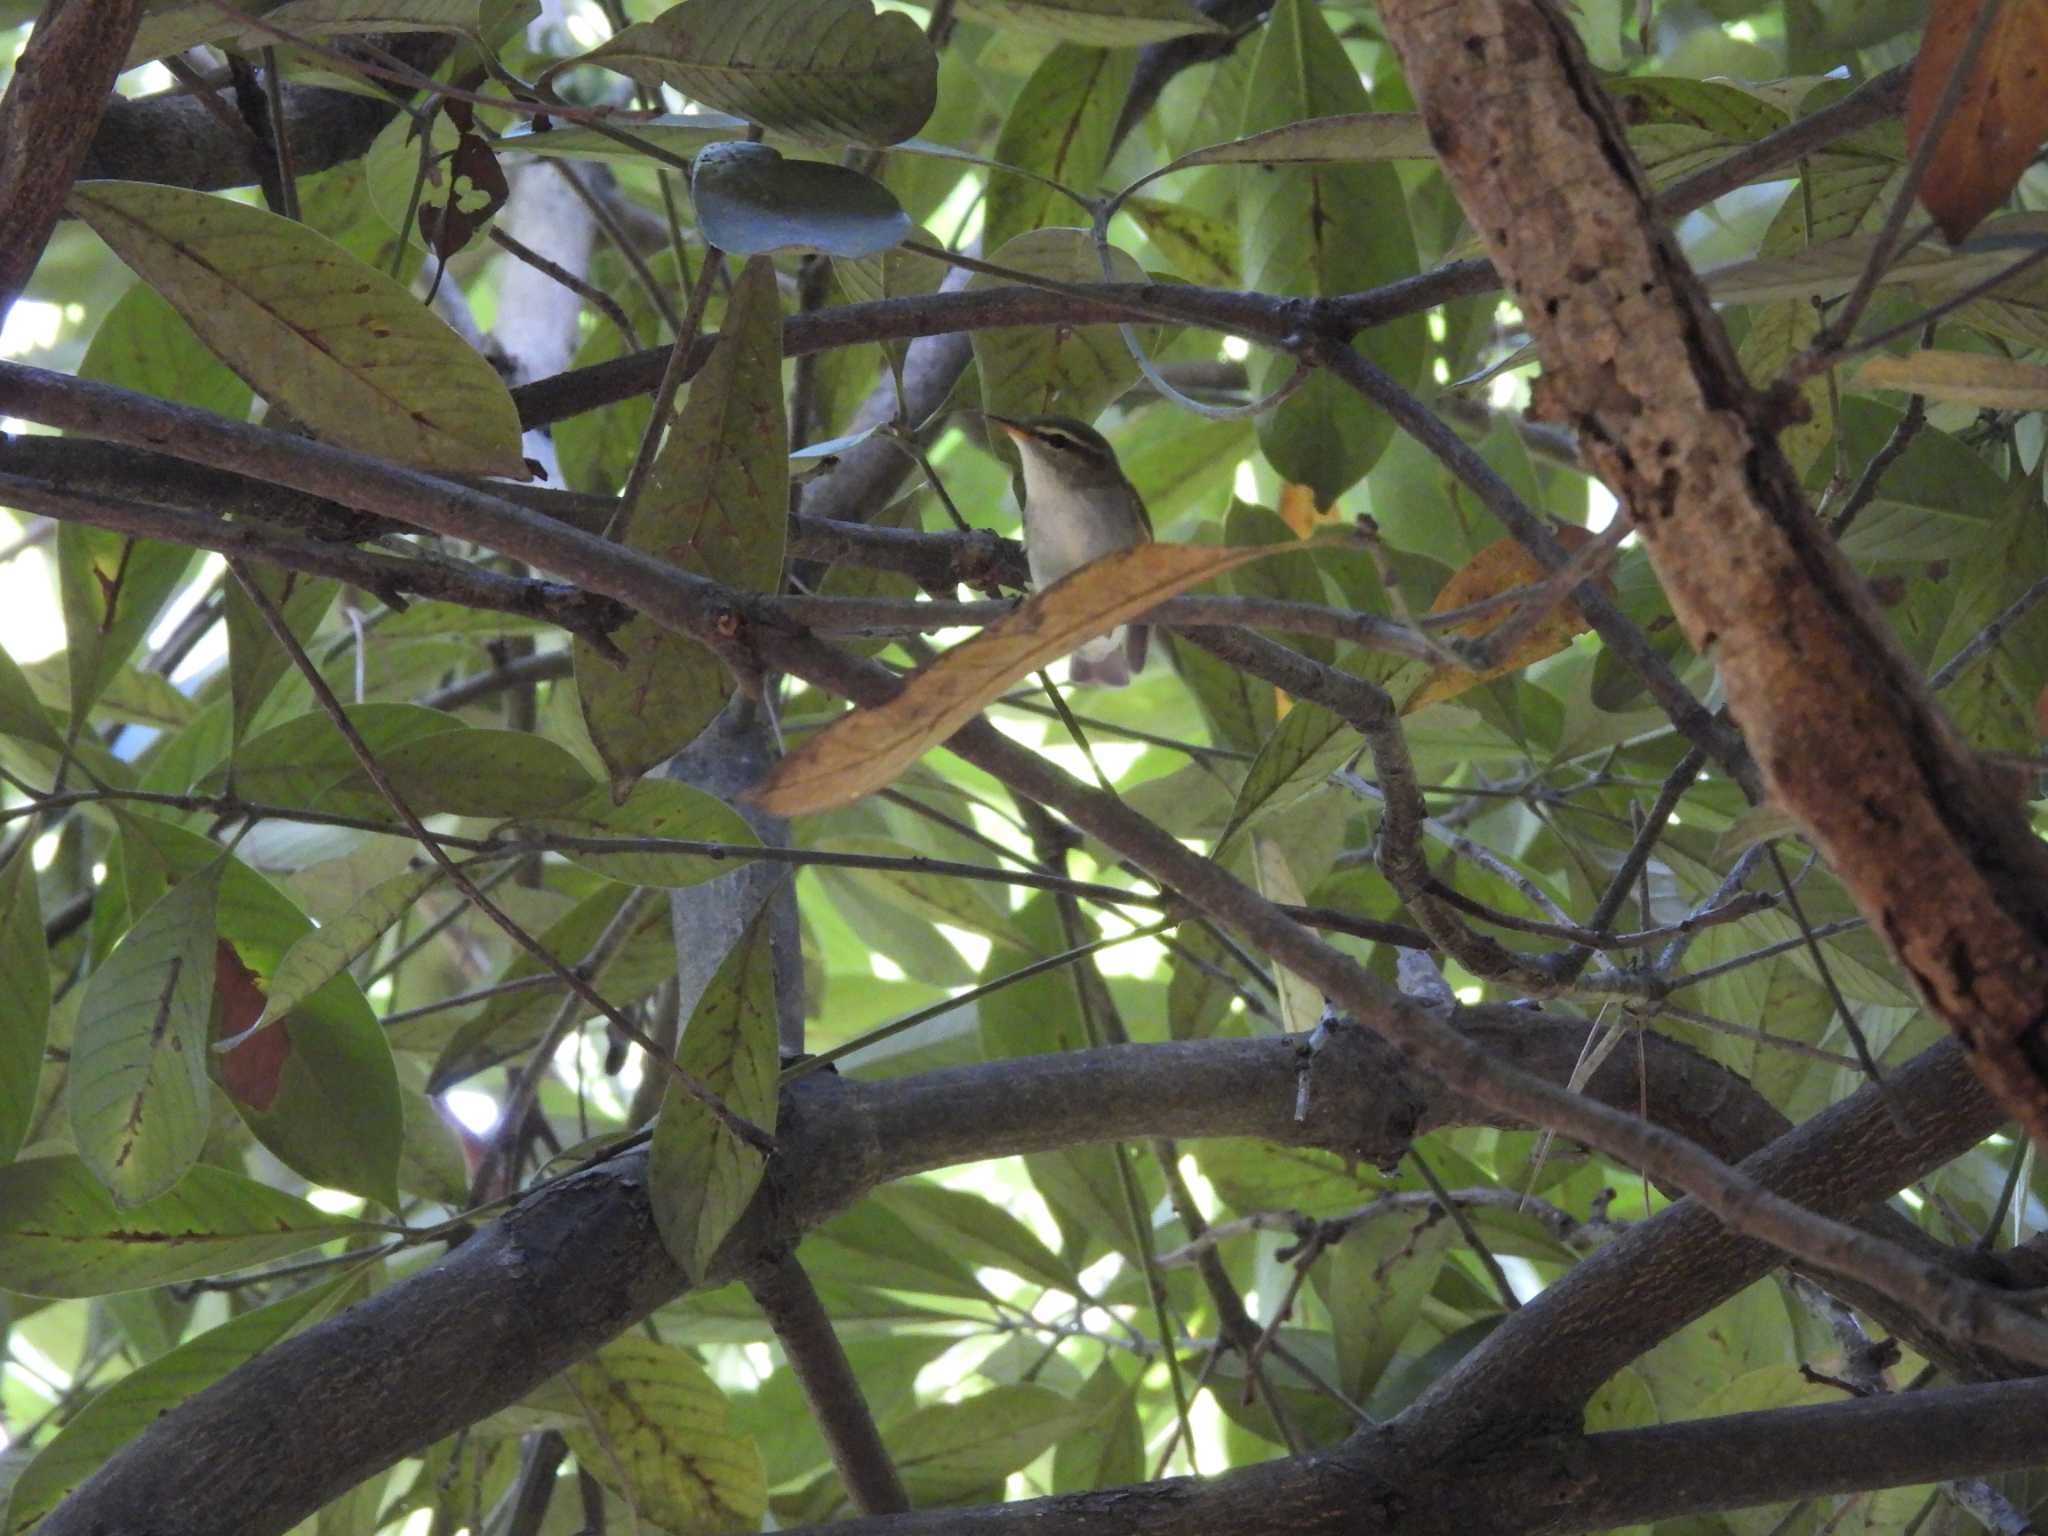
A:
x: 1111, y: 660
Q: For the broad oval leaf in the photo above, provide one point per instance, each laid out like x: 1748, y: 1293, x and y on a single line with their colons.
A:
x: 139, y: 1096
x: 1105, y: 23
x: 1318, y: 231
x: 341, y: 346
x: 1058, y: 130
x: 652, y: 1426
x: 700, y: 1173
x: 863, y: 751
x: 62, y: 1235
x: 823, y: 69
x: 657, y: 808
x: 750, y: 200
x: 717, y: 503
x: 112, y: 588
x: 1053, y: 369
x: 330, y: 1108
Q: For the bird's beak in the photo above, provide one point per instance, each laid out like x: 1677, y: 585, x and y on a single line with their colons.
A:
x: 1015, y: 430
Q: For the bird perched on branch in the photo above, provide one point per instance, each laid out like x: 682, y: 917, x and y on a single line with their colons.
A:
x: 1078, y: 507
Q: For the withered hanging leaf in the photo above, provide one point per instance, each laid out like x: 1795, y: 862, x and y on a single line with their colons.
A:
x: 861, y: 752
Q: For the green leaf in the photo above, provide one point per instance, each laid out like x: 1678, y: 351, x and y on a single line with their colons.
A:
x: 62, y: 1235
x: 1348, y: 137
x: 113, y: 588
x: 700, y: 1174
x: 512, y: 1022
x: 750, y: 201
x: 297, y: 763
x: 938, y: 897
x: 656, y: 808
x: 1305, y: 748
x: 139, y: 1097
x: 145, y: 345
x: 717, y: 503
x: 1054, y: 369
x: 333, y: 1113
x: 948, y: 1451
x: 1108, y: 23
x: 326, y: 952
x: 1059, y: 129
x: 824, y: 69
x: 1201, y: 247
x: 341, y: 346
x: 22, y: 715
x: 1111, y: 1454
x: 346, y: 18
x: 136, y: 1401
x: 656, y: 1430
x: 681, y: 134
x: 474, y: 771
x: 256, y: 662
x: 1937, y: 501
x: 25, y: 984
x: 1240, y: 710
x: 1374, y: 1284
x: 979, y: 1231
x: 1318, y: 231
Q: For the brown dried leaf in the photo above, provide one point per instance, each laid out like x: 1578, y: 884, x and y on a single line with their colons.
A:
x: 1501, y: 567
x: 2001, y: 118
x: 861, y: 752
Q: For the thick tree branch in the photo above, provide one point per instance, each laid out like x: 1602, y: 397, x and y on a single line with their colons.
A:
x: 1844, y: 730
x: 577, y: 1263
x: 174, y: 140
x: 711, y: 613
x: 54, y: 100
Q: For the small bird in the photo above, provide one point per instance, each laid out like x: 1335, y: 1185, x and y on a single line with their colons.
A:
x: 1079, y: 507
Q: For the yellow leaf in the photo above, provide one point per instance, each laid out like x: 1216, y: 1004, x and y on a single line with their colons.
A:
x: 1501, y: 567
x: 1963, y: 378
x: 862, y: 752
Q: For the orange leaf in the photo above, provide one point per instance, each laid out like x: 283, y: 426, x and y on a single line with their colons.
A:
x: 2001, y: 118
x: 861, y: 752
x: 1501, y: 567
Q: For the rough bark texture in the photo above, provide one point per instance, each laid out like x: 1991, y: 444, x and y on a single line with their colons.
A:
x: 1635, y: 361
x: 53, y: 103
